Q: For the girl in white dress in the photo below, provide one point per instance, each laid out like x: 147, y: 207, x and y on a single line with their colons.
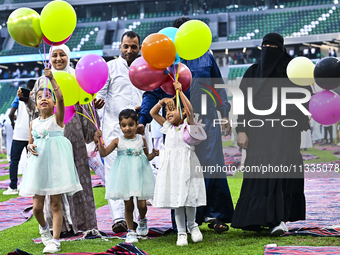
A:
x: 131, y: 174
x: 178, y: 185
x: 50, y: 169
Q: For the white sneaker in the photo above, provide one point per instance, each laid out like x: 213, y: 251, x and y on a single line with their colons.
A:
x: 46, y: 236
x: 182, y: 239
x: 196, y: 235
x: 131, y: 237
x: 279, y: 230
x: 52, y: 247
x: 10, y: 191
x: 142, y: 229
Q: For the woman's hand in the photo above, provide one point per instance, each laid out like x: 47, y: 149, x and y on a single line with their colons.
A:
x: 177, y: 86
x: 48, y: 74
x: 31, y: 149
x: 99, y: 103
x: 19, y: 93
x: 242, y: 140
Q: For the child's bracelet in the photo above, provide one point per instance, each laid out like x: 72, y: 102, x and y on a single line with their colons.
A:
x: 55, y: 89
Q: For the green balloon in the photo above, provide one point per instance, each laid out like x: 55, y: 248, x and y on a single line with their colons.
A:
x: 24, y: 27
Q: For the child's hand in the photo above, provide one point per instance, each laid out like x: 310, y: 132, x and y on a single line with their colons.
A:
x: 177, y: 86
x: 170, y: 103
x: 155, y: 152
x: 31, y: 149
x: 48, y: 74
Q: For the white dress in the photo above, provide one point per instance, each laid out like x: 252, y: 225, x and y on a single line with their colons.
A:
x: 179, y: 181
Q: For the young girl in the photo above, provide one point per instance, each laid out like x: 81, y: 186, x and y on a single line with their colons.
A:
x: 131, y: 174
x: 178, y: 185
x: 51, y: 169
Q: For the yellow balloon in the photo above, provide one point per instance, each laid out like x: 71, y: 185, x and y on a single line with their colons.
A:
x: 69, y: 87
x: 24, y: 27
x: 193, y: 39
x: 85, y: 98
x: 300, y: 71
x: 58, y: 20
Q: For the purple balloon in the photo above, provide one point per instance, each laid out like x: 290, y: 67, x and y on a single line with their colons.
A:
x: 325, y: 107
x: 145, y: 77
x: 91, y: 73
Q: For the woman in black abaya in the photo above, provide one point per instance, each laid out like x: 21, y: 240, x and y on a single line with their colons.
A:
x: 270, y: 199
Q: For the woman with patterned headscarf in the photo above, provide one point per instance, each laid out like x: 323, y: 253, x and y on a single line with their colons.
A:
x: 270, y: 199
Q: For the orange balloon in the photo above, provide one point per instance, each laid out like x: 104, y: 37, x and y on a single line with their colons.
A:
x: 158, y: 51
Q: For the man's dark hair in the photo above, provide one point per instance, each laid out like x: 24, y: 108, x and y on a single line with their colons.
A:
x: 131, y: 34
x: 178, y: 22
x: 30, y: 84
x: 128, y: 113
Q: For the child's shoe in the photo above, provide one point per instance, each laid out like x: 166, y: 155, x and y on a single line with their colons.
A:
x: 52, y: 246
x: 182, y: 239
x: 142, y: 229
x: 45, y: 234
x: 196, y: 235
x: 131, y: 237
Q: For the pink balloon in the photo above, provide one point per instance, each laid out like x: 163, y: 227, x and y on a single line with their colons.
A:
x: 184, y: 78
x: 325, y: 107
x: 55, y: 43
x: 69, y: 113
x: 145, y: 77
x: 91, y: 73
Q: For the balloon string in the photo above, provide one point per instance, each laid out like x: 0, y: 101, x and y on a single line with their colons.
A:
x: 95, y: 121
x: 42, y: 58
x: 45, y: 55
x: 85, y: 117
x: 88, y: 115
x: 94, y: 110
x: 49, y: 59
x: 185, y: 104
x: 179, y: 65
x: 171, y: 77
x: 174, y: 67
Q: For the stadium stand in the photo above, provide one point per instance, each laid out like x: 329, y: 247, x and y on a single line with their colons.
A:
x: 236, y: 72
x: 7, y: 95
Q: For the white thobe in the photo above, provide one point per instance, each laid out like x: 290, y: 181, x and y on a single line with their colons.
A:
x: 119, y: 94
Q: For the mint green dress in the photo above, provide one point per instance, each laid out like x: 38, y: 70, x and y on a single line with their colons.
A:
x: 53, y: 171
x: 131, y: 174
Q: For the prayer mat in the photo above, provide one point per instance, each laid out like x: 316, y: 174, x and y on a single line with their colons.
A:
x: 301, y: 250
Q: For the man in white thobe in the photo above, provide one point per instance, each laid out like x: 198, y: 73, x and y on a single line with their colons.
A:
x: 119, y: 94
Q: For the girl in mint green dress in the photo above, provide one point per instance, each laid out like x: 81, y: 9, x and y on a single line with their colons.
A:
x: 131, y: 174
x: 50, y: 169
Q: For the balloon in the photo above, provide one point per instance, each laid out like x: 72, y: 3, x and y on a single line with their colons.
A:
x: 327, y: 73
x: 184, y: 78
x: 171, y: 33
x: 325, y: 107
x: 55, y: 43
x: 69, y: 86
x: 158, y: 51
x: 92, y: 72
x: 145, y: 77
x: 69, y: 113
x: 24, y: 27
x: 58, y: 20
x: 193, y: 39
x: 84, y: 97
x: 300, y: 71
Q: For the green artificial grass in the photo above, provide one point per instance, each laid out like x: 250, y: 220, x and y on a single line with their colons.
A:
x: 234, y: 241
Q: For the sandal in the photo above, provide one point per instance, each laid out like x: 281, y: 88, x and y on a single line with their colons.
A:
x: 216, y: 223
x: 119, y: 227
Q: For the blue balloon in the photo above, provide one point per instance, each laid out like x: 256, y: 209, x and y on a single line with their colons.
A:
x: 171, y: 33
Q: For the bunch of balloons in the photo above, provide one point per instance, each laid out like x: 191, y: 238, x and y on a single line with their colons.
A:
x: 325, y: 105
x: 162, y: 52
x: 80, y: 88
x: 55, y: 24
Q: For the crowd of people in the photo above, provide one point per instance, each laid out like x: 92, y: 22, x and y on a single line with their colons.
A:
x: 58, y: 149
